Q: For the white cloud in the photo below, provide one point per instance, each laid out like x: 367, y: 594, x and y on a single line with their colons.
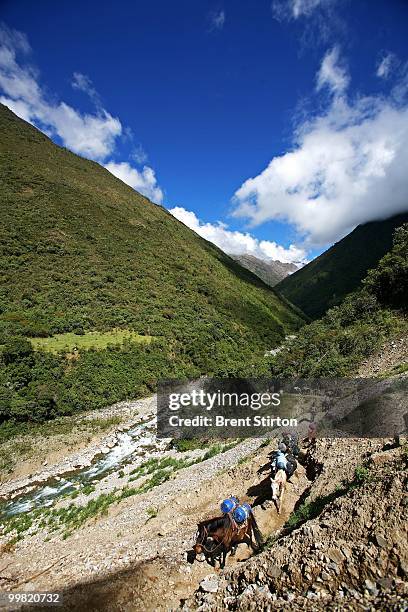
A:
x: 332, y: 74
x: 139, y: 155
x: 386, y: 65
x: 347, y: 166
x: 217, y: 20
x: 91, y: 135
x: 81, y: 82
x: 293, y: 9
x: 14, y: 39
x: 143, y: 181
x: 237, y: 243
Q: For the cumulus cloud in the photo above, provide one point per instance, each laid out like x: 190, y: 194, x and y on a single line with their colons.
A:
x: 347, y: 166
x: 217, y: 20
x: 91, y: 135
x: 143, y: 181
x: 386, y: 65
x: 332, y: 74
x: 237, y: 243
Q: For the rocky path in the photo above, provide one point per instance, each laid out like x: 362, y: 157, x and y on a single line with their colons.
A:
x: 393, y: 354
x: 351, y: 553
x: 141, y: 545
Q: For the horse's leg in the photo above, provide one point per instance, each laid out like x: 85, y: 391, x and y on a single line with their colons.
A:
x: 281, y: 495
x: 254, y: 545
x: 248, y: 541
x: 223, y: 557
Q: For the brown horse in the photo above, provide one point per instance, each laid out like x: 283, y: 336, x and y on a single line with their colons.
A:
x: 219, y: 536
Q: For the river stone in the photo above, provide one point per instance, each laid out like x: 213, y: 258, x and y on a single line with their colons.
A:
x: 274, y: 571
x: 371, y: 587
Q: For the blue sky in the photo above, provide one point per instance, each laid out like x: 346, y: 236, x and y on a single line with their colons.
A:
x: 259, y: 124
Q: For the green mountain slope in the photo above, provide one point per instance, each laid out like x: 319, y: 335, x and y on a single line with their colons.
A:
x: 326, y: 280
x: 365, y: 321
x: 82, y: 251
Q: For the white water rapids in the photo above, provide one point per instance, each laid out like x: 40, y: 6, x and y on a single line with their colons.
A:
x: 130, y: 446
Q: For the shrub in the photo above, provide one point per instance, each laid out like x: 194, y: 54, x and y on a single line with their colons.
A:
x: 16, y: 349
x: 389, y: 280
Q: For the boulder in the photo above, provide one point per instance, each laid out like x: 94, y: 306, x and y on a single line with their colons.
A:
x: 209, y: 584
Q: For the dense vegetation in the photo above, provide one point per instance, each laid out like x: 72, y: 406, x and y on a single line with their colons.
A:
x: 326, y: 280
x: 335, y: 344
x: 81, y: 251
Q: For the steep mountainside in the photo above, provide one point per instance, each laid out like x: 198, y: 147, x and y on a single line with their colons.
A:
x: 122, y: 540
x: 82, y: 251
x: 271, y: 272
x: 326, y: 280
x: 371, y: 319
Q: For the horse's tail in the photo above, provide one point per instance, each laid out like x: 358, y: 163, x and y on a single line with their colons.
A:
x: 256, y: 531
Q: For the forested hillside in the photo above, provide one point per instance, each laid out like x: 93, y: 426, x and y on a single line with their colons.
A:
x: 326, y: 280
x: 335, y: 344
x: 82, y: 252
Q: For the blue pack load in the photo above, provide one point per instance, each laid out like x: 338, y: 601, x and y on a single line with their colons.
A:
x: 280, y: 461
x: 229, y: 504
x: 241, y: 513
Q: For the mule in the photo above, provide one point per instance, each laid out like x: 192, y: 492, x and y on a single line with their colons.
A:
x: 278, y: 484
x: 217, y: 537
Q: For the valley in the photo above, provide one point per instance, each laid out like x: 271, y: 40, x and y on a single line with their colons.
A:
x: 133, y: 553
x: 95, y: 310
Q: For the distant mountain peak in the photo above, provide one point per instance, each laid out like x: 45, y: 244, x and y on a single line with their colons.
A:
x: 271, y: 271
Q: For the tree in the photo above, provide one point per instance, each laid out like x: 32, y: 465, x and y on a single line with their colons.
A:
x: 389, y: 280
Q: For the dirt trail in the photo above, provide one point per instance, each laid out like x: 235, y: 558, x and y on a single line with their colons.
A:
x: 165, y: 580
x: 119, y: 563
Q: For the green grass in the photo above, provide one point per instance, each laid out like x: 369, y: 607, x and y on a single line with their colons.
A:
x: 401, y: 368
x: 152, y: 512
x: 187, y: 444
x: 97, y: 340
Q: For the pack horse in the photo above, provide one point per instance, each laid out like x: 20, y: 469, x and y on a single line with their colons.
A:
x: 215, y: 538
